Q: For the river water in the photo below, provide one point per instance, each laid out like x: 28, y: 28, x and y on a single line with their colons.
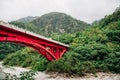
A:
x: 56, y: 76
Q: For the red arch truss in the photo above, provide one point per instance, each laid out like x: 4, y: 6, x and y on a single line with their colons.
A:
x: 50, y: 49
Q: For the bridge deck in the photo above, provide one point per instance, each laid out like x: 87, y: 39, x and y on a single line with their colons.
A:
x: 31, y: 33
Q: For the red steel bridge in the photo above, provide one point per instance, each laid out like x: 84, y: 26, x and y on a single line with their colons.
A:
x: 50, y: 49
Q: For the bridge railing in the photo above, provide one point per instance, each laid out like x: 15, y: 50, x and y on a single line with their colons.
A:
x: 12, y: 26
x: 29, y: 32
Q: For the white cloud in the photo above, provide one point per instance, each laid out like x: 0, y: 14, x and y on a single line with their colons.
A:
x: 86, y: 10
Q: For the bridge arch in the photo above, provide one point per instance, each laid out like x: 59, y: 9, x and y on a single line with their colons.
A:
x: 40, y: 49
x: 50, y: 49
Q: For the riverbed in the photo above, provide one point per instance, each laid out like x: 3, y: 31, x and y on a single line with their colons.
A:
x: 57, y: 76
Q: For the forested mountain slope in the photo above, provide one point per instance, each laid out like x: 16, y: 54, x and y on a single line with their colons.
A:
x: 111, y: 18
x: 55, y: 22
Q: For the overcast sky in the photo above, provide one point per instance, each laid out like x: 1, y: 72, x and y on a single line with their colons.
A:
x: 86, y: 10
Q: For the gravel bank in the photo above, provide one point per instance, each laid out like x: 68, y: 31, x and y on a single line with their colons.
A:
x: 56, y: 76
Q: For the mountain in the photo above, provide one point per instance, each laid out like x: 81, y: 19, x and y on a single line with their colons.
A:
x: 56, y: 22
x: 27, y: 19
x: 53, y: 22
